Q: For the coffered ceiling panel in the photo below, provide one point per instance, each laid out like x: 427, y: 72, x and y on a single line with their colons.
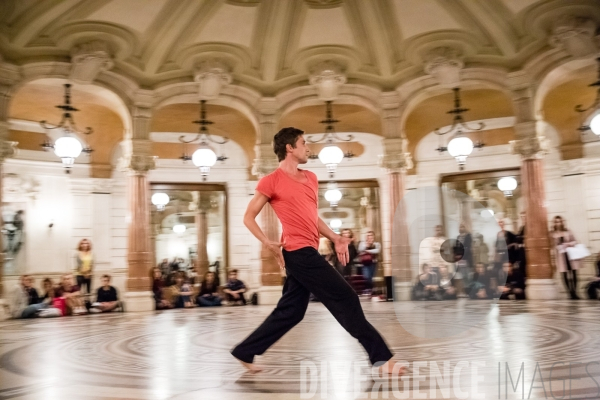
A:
x: 326, y: 27
x: 137, y: 15
x: 230, y: 24
x: 431, y: 16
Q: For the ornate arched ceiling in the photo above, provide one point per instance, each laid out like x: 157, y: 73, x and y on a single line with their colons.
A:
x: 273, y: 44
x: 482, y: 104
x: 558, y: 109
x: 228, y: 123
x: 37, y: 101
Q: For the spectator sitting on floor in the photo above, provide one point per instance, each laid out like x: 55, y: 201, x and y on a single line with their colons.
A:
x: 19, y: 301
x: 32, y: 295
x: 180, y: 293
x: 209, y: 295
x: 447, y: 284
x: 187, y: 288
x: 427, y: 286
x: 106, y: 297
x: 514, y: 283
x: 235, y: 289
x: 480, y: 286
x: 49, y: 289
x: 72, y: 295
x: 594, y: 285
x: 158, y: 285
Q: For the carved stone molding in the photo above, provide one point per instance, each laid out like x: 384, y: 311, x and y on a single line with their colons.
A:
x: 138, y: 156
x: 575, y: 35
x: 396, y: 157
x: 90, y: 59
x: 529, y: 145
x: 212, y: 75
x: 444, y: 64
x: 327, y: 77
x: 18, y: 188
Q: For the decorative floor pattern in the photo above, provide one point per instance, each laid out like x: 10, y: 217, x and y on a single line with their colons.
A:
x: 184, y: 354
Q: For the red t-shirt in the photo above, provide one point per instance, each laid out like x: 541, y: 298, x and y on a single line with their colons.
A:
x: 295, y: 204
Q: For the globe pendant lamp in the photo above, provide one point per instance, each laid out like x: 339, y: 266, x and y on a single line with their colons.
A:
x: 507, y: 185
x: 331, y: 156
x: 204, y: 158
x: 333, y: 195
x: 460, y: 148
x: 67, y: 147
x: 160, y: 200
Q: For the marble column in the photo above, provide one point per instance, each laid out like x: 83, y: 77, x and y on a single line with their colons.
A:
x: 7, y: 150
x: 138, y: 160
x: 396, y: 161
x: 531, y: 147
x: 202, y: 232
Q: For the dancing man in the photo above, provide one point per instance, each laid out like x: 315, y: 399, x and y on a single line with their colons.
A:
x: 293, y: 194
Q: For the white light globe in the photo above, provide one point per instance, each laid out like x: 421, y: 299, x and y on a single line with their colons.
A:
x: 335, y: 223
x: 460, y: 147
x: 67, y: 147
x: 179, y: 228
x: 331, y: 155
x: 160, y: 200
x: 333, y: 195
x: 595, y: 124
x: 204, y: 157
x: 507, y: 184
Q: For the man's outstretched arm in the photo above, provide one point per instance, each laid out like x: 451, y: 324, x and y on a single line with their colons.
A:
x: 254, y: 207
x: 340, y: 242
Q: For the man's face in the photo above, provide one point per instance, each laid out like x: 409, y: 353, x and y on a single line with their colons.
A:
x: 105, y: 281
x: 233, y: 276
x: 27, y: 282
x: 69, y: 280
x: 301, y: 152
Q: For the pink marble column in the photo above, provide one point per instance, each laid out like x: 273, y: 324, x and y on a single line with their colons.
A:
x: 400, y: 239
x: 271, y: 273
x: 537, y: 238
x: 202, y: 231
x: 139, y: 252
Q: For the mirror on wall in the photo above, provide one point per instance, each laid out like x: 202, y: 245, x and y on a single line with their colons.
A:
x: 189, y: 228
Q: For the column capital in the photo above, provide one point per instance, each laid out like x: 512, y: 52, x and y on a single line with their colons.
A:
x: 444, y: 64
x: 265, y: 161
x: 138, y: 156
x: 529, y: 145
x: 575, y: 35
x: 396, y: 157
x: 88, y: 60
x: 268, y: 106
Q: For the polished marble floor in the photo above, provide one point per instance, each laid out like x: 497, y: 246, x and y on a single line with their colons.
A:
x: 183, y: 354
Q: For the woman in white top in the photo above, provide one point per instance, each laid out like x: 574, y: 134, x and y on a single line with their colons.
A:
x: 563, y: 238
x: 368, y: 253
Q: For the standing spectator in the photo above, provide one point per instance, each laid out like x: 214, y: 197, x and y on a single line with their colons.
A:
x: 158, y: 285
x: 209, y: 291
x: 85, y: 265
x: 594, y: 285
x: 520, y: 246
x: 368, y: 252
x: 72, y: 295
x: 563, y: 239
x: 106, y: 298
x: 465, y: 238
x: 164, y: 267
x: 235, y: 289
x: 19, y: 301
x: 506, y: 243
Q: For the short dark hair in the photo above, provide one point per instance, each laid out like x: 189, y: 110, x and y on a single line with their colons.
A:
x: 233, y: 271
x: 284, y: 137
x: 106, y: 276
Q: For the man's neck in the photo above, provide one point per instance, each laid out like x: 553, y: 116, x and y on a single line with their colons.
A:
x: 289, y: 165
x: 106, y: 287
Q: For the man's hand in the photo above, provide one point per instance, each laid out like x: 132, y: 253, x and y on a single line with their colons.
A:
x: 275, y: 249
x: 341, y: 249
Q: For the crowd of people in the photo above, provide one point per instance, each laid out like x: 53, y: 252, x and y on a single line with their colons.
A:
x: 505, y: 276
x: 180, y: 289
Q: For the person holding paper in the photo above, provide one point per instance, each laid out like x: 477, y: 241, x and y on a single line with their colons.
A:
x: 563, y: 239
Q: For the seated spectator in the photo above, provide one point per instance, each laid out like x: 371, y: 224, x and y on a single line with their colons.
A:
x: 72, y: 294
x: 32, y: 295
x: 106, y: 297
x: 427, y: 286
x: 447, y: 284
x: 187, y: 288
x: 48, y: 300
x: 19, y: 301
x: 209, y: 291
x: 511, y: 283
x: 180, y: 293
x: 158, y: 285
x: 235, y: 289
x: 594, y: 285
x: 480, y: 286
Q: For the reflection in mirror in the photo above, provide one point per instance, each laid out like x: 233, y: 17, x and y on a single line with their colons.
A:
x: 189, y: 232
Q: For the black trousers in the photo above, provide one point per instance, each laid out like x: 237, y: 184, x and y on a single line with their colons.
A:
x: 307, y: 271
x: 82, y: 280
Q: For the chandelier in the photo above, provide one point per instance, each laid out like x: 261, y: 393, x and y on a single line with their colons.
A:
x: 204, y: 157
x: 507, y: 185
x: 333, y: 195
x: 160, y: 200
x: 330, y: 155
x: 67, y: 147
x: 594, y: 124
x: 460, y: 146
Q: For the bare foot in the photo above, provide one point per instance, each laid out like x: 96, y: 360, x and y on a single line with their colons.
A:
x: 388, y: 368
x: 252, y: 368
